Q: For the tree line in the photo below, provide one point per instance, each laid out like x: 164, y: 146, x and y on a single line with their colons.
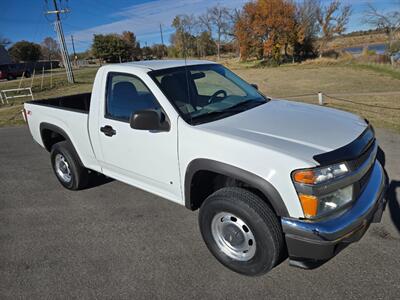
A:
x: 264, y: 29
x: 25, y: 51
x: 271, y: 30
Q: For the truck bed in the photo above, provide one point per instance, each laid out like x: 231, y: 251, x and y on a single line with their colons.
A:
x: 78, y: 102
x: 70, y: 114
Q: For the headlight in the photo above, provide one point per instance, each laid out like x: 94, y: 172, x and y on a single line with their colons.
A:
x: 320, y: 175
x: 307, y: 180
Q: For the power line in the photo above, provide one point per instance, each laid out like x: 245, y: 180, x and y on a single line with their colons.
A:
x: 61, y: 39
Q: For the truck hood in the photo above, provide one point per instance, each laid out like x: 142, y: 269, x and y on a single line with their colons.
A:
x: 301, y: 130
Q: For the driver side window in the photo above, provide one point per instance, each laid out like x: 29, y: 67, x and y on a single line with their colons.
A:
x: 127, y: 94
x: 212, y: 82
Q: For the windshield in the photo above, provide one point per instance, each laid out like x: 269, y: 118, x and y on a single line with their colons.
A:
x: 204, y: 93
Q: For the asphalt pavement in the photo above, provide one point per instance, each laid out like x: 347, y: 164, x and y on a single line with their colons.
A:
x: 113, y: 241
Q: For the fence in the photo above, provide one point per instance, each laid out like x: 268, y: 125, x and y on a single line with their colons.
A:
x: 15, y: 93
x: 321, y: 100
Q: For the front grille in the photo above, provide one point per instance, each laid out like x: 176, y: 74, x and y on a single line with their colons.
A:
x: 364, y: 180
x: 357, y: 162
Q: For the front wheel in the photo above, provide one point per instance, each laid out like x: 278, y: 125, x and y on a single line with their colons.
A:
x: 241, y: 231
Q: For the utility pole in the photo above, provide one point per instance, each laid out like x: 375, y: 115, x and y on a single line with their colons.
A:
x: 61, y: 40
x: 162, y: 38
x: 73, y: 48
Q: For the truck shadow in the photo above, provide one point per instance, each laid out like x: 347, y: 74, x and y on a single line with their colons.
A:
x: 97, y: 179
x: 391, y: 196
x: 393, y: 203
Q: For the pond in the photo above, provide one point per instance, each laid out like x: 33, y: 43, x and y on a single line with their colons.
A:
x: 378, y: 48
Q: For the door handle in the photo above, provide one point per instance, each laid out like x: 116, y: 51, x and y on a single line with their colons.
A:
x: 108, y: 130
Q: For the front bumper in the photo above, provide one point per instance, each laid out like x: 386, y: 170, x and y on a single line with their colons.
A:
x: 311, y: 243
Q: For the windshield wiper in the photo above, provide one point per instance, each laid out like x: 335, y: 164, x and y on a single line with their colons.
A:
x: 241, y: 106
x: 212, y: 114
x: 237, y: 108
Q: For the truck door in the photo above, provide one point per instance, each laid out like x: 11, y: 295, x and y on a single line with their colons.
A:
x: 146, y: 159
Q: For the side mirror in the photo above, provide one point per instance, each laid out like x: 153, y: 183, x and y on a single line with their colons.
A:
x: 254, y: 86
x: 149, y: 120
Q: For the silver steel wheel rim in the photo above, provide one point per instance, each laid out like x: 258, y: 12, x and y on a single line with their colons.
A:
x: 233, y: 236
x: 62, y: 168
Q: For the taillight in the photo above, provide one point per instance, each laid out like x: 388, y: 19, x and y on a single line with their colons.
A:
x: 25, y: 114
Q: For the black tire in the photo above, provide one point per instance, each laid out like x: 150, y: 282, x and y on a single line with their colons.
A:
x: 257, y: 215
x: 79, y: 175
x: 27, y: 74
x: 10, y: 77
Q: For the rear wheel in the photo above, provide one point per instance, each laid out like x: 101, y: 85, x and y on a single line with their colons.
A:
x: 241, y: 231
x: 67, y: 168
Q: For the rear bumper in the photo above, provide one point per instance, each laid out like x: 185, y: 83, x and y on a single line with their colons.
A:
x: 310, y: 244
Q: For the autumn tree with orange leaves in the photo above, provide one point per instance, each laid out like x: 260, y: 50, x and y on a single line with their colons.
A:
x: 266, y: 29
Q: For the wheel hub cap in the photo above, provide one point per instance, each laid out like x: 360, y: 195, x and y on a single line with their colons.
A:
x: 233, y: 236
x: 62, y: 168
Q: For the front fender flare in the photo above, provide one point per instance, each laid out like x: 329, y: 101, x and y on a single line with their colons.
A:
x: 251, y: 179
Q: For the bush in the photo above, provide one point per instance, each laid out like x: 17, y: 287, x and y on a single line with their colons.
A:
x: 331, y: 54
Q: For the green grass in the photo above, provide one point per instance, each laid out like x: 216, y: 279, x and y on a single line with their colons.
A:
x: 379, y: 69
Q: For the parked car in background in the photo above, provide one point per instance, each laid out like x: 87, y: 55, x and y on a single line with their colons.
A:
x: 15, y: 70
x: 12, y: 71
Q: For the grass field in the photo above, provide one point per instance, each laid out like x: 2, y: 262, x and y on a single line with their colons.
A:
x: 376, y: 86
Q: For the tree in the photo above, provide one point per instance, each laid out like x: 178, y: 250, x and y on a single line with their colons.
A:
x: 247, y: 40
x: 388, y: 22
x: 205, y: 22
x: 333, y: 20
x: 111, y: 48
x: 205, y: 44
x: 159, y: 50
x: 183, y: 39
x: 147, y: 52
x: 266, y: 28
x: 25, y: 51
x: 50, y: 49
x: 132, y: 43
x: 219, y: 17
x: 234, y: 15
x: 4, y: 41
x: 307, y: 28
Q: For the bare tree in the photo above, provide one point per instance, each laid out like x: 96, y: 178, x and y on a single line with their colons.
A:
x: 235, y: 16
x: 205, y: 22
x: 307, y: 28
x: 219, y: 17
x: 50, y: 49
x: 333, y: 20
x: 389, y: 22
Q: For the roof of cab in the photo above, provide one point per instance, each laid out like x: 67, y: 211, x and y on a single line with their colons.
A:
x: 165, y: 64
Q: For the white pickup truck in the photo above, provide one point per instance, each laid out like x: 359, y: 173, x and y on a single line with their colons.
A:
x: 271, y: 178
